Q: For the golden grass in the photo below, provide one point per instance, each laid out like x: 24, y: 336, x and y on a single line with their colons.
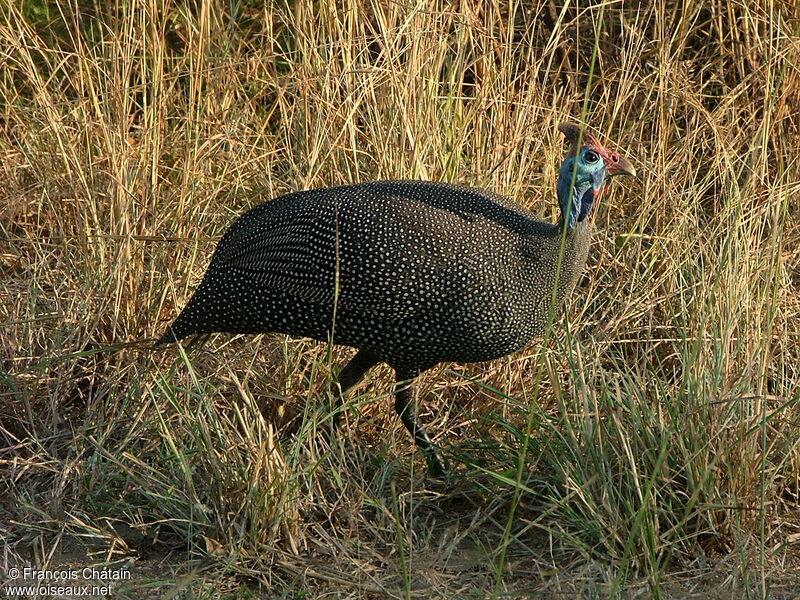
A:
x: 664, y: 440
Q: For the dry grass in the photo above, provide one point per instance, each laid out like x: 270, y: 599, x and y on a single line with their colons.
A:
x: 663, y: 457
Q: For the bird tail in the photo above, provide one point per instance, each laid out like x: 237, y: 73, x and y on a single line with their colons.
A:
x: 186, y: 322
x: 175, y: 332
x: 169, y: 337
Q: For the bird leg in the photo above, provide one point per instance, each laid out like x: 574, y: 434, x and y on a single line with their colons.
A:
x: 349, y: 376
x: 405, y: 404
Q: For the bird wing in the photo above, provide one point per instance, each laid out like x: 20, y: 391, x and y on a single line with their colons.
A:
x: 289, y: 250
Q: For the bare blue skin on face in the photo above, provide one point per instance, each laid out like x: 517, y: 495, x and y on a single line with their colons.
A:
x: 576, y: 200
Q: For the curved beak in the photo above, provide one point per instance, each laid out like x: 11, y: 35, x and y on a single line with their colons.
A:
x: 619, y: 165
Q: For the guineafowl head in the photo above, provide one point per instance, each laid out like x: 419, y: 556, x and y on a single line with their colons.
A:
x: 587, y: 166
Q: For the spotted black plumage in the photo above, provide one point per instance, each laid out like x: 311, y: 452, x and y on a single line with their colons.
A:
x: 412, y: 273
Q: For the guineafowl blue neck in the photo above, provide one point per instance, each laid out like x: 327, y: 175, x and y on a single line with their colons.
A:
x: 576, y: 197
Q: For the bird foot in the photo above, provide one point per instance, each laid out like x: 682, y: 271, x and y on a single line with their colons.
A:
x: 436, y: 468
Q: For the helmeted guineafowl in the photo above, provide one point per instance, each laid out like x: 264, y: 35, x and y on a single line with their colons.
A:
x: 412, y: 273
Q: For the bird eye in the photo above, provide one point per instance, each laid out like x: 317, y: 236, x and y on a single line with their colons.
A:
x: 591, y: 156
